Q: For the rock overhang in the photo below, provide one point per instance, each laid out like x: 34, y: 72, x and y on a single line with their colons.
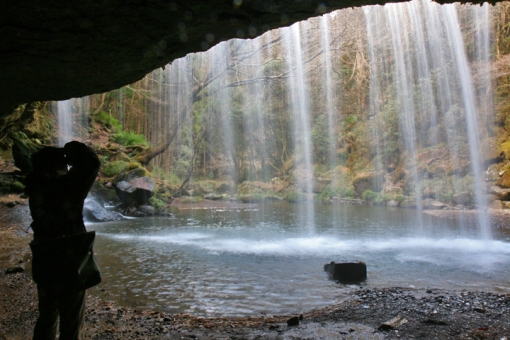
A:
x: 55, y: 50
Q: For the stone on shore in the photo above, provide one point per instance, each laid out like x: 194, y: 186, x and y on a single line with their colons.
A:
x: 347, y: 272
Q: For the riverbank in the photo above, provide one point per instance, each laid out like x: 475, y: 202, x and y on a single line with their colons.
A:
x: 418, y: 313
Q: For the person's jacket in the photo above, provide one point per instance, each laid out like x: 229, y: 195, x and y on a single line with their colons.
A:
x: 56, y: 204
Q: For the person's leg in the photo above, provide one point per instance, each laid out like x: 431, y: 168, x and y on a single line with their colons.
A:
x: 46, y: 325
x: 72, y: 314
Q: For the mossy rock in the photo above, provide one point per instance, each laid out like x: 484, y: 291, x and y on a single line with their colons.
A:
x: 17, y: 187
x: 198, y: 190
x: 173, y: 209
x: 224, y: 188
x: 504, y: 180
x: 121, y: 156
x: 128, y: 175
x: 251, y: 198
x: 114, y: 168
x: 505, y: 148
x: 192, y: 199
x: 489, y: 152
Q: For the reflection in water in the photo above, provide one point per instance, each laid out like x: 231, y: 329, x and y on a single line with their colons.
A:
x: 244, y: 262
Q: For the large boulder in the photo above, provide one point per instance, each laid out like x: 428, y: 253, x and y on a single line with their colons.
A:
x: 133, y: 190
x: 500, y: 193
x: 433, y: 204
x: 408, y: 203
x: 368, y: 181
x: 490, y: 152
x: 496, y: 205
x: 93, y: 211
x: 492, y: 174
x: 224, y: 188
x: 463, y: 198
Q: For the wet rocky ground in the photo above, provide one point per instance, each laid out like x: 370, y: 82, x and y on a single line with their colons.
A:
x: 387, y: 313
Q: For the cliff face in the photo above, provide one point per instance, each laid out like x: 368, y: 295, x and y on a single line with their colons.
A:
x: 55, y: 50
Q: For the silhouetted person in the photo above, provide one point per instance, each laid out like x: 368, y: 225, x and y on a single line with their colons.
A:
x: 56, y: 197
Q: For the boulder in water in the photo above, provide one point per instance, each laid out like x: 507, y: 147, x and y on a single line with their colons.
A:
x: 392, y: 203
x: 408, y: 203
x: 93, y: 211
x: 347, y: 272
x: 144, y: 210
x: 136, y: 192
x: 497, y: 204
x: 433, y: 204
x: 500, y: 193
x: 463, y: 198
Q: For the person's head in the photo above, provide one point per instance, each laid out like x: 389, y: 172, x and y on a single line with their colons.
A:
x: 50, y: 160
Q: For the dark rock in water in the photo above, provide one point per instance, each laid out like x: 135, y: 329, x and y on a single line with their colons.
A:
x: 294, y: 321
x: 135, y: 192
x: 14, y: 270
x: 93, y: 211
x: 144, y: 211
x: 347, y: 272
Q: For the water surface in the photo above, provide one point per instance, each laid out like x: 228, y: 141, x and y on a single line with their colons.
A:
x: 269, y: 258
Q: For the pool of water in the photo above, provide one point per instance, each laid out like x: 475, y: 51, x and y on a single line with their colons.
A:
x: 269, y: 258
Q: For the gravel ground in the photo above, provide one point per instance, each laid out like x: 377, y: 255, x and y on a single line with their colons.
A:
x: 388, y: 313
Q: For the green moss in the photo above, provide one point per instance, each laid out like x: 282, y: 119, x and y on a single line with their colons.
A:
x: 295, y: 197
x: 108, y: 121
x: 114, y: 168
x: 129, y: 138
x: 505, y: 147
x: 17, y: 187
x: 134, y: 165
x: 156, y: 202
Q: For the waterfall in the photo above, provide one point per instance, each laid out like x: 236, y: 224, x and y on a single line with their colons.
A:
x: 428, y: 50
x: 396, y: 96
x: 72, y: 119
x: 299, y: 100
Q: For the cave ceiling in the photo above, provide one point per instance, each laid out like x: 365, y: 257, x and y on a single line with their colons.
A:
x: 56, y: 50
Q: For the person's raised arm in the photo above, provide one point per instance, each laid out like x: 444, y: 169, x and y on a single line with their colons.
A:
x: 84, y: 167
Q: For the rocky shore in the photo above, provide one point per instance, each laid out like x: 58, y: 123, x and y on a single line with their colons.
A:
x: 387, y: 313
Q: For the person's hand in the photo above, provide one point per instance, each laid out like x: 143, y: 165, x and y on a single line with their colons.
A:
x: 73, y: 150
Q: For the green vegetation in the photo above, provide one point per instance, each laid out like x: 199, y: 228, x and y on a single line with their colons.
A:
x: 156, y: 202
x: 296, y: 197
x: 369, y: 196
x: 128, y: 138
x: 114, y: 168
x: 109, y: 121
x: 170, y: 177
